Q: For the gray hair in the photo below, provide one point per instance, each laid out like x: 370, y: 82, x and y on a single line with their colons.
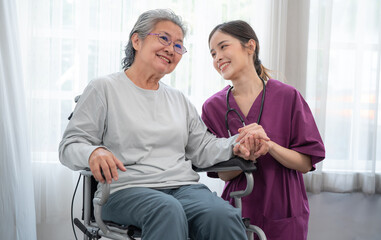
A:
x: 144, y: 25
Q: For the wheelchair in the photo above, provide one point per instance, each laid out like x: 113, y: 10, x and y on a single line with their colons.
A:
x: 94, y: 227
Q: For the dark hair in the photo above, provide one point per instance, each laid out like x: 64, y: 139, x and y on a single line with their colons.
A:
x: 144, y: 25
x: 242, y: 31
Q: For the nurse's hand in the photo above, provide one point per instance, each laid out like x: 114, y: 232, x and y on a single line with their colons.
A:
x: 261, y: 148
x: 102, y: 160
x: 253, y: 129
x: 254, y: 138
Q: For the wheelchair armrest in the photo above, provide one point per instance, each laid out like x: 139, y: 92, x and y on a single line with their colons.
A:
x: 86, y: 172
x: 105, y: 189
x: 235, y: 163
x: 98, y: 202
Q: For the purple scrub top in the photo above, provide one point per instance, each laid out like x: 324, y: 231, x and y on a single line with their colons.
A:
x: 278, y: 203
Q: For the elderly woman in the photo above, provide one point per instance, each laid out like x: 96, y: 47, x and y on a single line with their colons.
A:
x: 145, y: 136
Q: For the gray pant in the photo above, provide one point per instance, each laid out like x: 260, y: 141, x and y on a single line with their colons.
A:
x: 175, y: 214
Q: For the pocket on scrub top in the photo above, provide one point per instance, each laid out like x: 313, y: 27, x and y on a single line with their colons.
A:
x: 286, y: 228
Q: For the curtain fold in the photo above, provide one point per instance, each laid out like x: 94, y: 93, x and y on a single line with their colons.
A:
x: 17, y: 209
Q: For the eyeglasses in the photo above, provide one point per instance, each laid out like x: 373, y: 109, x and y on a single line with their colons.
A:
x: 166, y: 40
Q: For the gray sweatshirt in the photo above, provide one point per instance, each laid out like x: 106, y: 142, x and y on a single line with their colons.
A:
x: 157, y: 134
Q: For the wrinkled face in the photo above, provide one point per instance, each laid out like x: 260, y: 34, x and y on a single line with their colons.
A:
x: 230, y: 58
x: 157, y: 57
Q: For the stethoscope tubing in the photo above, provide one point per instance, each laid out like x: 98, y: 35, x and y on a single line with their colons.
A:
x: 229, y: 109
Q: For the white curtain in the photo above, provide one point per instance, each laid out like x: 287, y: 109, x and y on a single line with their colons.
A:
x: 17, y: 211
x: 343, y: 89
x: 66, y: 43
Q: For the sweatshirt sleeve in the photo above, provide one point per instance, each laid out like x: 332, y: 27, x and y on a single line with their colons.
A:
x: 205, y: 118
x: 203, y: 148
x: 84, y: 131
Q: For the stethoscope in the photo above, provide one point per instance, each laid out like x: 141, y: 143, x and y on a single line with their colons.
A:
x: 236, y: 112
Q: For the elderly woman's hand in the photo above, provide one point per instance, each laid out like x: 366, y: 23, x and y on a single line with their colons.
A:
x: 254, y: 139
x: 102, y: 160
x: 243, y: 149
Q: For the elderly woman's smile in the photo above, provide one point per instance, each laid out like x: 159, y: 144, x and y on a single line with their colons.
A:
x: 164, y: 58
x: 154, y: 52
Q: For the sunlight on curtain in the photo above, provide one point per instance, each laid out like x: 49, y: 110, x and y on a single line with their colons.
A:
x: 68, y: 43
x: 343, y: 89
x: 17, y: 208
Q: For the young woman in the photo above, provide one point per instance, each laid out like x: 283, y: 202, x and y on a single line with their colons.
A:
x: 278, y: 203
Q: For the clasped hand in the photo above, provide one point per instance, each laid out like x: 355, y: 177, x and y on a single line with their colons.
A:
x: 252, y: 142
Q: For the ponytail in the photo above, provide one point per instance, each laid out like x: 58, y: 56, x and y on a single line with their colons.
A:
x: 261, y: 70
